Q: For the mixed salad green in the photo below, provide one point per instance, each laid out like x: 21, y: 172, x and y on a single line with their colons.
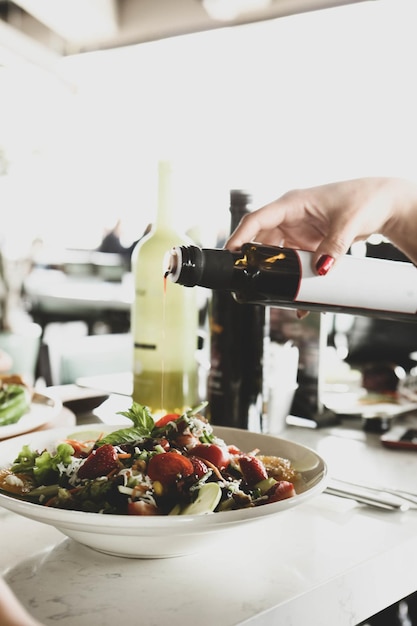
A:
x: 173, y: 466
x: 14, y: 402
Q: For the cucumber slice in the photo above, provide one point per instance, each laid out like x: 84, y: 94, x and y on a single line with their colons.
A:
x: 85, y: 435
x: 207, y: 500
x: 265, y: 484
x: 176, y: 510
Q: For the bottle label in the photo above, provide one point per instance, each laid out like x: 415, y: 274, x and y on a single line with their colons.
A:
x: 368, y: 283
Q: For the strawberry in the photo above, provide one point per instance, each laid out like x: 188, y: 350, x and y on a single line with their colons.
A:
x: 169, y: 467
x: 253, y: 469
x: 99, y: 462
x: 281, y: 491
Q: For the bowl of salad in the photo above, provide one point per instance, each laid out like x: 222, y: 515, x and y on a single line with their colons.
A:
x: 154, y: 488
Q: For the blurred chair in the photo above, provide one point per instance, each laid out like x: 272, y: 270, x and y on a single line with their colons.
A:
x: 23, y: 346
x: 73, y: 357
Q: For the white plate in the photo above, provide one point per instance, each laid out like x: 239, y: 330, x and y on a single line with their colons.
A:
x: 354, y: 404
x: 43, y: 410
x: 164, y: 536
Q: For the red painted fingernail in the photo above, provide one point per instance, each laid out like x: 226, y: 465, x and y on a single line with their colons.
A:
x: 324, y: 263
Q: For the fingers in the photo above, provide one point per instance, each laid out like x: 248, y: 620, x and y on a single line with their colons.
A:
x: 325, y: 220
x: 246, y: 231
x: 332, y: 247
x: 324, y: 264
x: 12, y: 613
x: 264, y: 220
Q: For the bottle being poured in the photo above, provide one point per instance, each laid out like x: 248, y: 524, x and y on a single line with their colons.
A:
x: 282, y: 277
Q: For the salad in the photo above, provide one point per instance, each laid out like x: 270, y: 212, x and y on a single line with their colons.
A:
x: 173, y: 466
x: 15, y: 399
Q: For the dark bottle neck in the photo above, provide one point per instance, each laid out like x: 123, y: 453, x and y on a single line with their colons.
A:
x: 239, y: 206
x: 212, y: 268
x: 256, y: 271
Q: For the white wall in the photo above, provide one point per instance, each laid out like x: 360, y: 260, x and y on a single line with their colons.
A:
x: 293, y: 102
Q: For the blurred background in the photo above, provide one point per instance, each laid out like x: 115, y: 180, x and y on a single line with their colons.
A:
x: 286, y: 97
x: 294, y: 101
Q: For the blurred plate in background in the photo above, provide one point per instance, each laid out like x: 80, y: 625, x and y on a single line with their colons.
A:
x: 44, y: 409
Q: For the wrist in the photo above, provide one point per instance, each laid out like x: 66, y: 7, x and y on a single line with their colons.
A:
x: 401, y: 226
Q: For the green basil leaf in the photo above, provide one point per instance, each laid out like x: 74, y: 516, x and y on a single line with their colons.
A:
x: 127, y: 436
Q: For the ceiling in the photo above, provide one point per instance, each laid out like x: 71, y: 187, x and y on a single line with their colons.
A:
x: 57, y: 28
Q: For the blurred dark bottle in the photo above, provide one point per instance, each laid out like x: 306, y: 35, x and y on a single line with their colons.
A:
x: 234, y: 384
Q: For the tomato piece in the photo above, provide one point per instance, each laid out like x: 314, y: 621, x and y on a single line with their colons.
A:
x: 165, y: 419
x: 169, y: 467
x: 217, y: 455
x: 164, y: 443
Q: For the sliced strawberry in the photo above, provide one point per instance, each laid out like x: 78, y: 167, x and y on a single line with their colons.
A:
x: 199, y: 467
x: 99, y: 462
x: 169, y: 467
x: 253, y: 469
x: 281, y: 491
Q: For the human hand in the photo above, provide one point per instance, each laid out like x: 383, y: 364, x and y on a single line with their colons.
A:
x: 12, y: 613
x: 326, y: 220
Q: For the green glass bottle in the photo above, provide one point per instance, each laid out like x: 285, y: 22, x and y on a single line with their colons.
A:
x: 164, y: 320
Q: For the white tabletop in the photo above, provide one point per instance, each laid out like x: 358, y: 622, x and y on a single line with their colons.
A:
x: 329, y: 561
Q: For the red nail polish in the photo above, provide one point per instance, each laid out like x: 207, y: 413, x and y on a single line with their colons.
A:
x: 324, y: 263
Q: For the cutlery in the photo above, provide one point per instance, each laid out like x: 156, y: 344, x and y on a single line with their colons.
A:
x: 375, y: 498
x: 38, y: 398
x: 398, y: 493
